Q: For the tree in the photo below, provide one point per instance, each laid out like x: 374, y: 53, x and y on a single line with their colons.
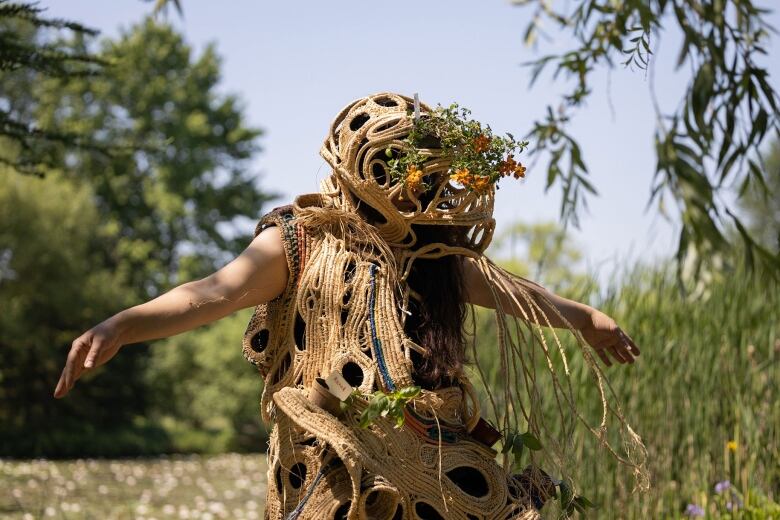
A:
x: 27, y: 52
x: 101, y: 232
x: 714, y: 136
x: 763, y: 209
x: 173, y: 204
x: 53, y: 285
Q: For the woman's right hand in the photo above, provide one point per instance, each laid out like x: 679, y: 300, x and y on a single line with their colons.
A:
x: 92, y: 349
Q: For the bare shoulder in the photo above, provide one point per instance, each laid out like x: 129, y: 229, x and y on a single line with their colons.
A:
x: 259, y: 274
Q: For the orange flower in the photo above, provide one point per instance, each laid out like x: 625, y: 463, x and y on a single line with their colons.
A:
x: 481, y: 143
x: 508, y: 166
x: 519, y: 171
x: 413, y: 177
x: 481, y: 184
x: 462, y: 176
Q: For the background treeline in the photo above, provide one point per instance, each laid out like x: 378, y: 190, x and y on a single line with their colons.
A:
x: 153, y: 201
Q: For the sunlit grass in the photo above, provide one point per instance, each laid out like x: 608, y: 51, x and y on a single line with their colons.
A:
x: 191, y: 486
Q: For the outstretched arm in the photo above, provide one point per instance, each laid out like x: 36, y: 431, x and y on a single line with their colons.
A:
x: 599, y: 330
x: 256, y: 276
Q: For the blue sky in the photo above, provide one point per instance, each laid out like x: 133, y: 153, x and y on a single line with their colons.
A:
x: 296, y: 64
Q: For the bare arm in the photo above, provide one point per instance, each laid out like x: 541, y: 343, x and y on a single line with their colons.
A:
x: 257, y: 275
x: 598, y: 329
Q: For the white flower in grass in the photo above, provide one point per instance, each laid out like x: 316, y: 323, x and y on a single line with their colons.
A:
x: 141, y: 509
x: 252, y: 515
x: 103, y: 489
x: 169, y: 509
x: 50, y: 511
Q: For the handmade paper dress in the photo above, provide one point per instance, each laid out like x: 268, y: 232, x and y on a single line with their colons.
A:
x: 343, y: 310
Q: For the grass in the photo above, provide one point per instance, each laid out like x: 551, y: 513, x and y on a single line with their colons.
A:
x: 189, y: 486
x: 703, y: 395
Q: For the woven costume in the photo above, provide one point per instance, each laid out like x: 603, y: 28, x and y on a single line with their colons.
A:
x: 343, y: 310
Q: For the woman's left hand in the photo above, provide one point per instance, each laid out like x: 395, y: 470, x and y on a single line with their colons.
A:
x: 602, y: 333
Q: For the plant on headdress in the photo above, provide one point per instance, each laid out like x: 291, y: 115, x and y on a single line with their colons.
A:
x: 479, y: 158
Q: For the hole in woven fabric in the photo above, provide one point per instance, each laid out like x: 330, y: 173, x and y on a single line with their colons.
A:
x: 299, y: 332
x: 282, y: 370
x: 358, y: 121
x: 352, y: 373
x: 399, y: 512
x: 426, y: 512
x: 341, y: 512
x: 308, y: 442
x: 470, y: 480
x: 260, y: 340
x: 386, y: 101
x: 379, y: 172
x: 349, y: 272
x: 345, y: 298
x: 386, y: 126
x: 278, y: 478
x: 380, y: 503
x: 514, y: 489
x: 344, y: 316
x: 472, y: 517
x: 297, y: 475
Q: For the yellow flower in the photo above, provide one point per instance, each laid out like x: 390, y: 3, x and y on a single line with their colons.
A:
x: 481, y: 184
x: 732, y: 445
x: 414, y: 177
x: 462, y: 176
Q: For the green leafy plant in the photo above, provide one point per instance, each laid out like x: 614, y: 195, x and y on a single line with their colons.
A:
x: 516, y: 442
x: 570, y: 502
x: 479, y: 158
x: 381, y: 404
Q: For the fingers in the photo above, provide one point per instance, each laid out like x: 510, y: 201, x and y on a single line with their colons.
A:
x: 92, y: 356
x: 603, y: 356
x: 619, y: 347
x: 74, y: 366
x: 630, y: 342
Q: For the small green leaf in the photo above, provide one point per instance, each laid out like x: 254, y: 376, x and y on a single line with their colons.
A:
x: 508, y: 443
x: 532, y: 442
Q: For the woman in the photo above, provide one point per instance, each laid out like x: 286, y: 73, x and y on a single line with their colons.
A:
x: 366, y: 284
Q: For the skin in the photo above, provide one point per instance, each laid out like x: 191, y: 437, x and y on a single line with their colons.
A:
x: 258, y: 275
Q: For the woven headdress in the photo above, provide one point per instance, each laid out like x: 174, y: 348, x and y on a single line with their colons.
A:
x: 362, y: 142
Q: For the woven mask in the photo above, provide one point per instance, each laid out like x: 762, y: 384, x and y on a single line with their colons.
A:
x: 362, y: 138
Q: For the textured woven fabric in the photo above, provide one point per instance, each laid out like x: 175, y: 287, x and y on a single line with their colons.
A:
x: 339, y: 312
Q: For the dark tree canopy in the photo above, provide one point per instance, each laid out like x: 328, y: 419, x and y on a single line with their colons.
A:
x: 711, y: 142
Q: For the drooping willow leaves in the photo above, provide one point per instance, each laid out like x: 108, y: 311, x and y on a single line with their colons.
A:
x: 708, y: 146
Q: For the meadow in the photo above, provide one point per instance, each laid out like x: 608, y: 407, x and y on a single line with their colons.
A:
x: 181, y: 486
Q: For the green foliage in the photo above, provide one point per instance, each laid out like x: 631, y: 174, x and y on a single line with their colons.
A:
x: 479, y: 159
x: 53, y: 286
x: 516, y: 442
x: 26, y: 56
x: 712, y: 139
x: 708, y: 373
x: 105, y: 231
x: 211, y: 392
x: 168, y: 204
x: 762, y: 207
x: 390, y: 405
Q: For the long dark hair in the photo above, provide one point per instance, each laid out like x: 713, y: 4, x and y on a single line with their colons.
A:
x: 436, y: 320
